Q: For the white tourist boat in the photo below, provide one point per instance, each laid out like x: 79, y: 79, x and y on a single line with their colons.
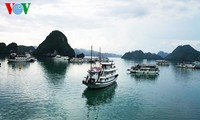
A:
x: 76, y: 60
x: 103, y: 76
x: 61, y: 58
x: 185, y: 65
x: 144, y: 69
x: 20, y: 58
x: 162, y: 62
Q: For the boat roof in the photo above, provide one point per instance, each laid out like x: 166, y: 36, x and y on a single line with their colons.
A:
x: 95, y: 69
x: 161, y: 60
x: 107, y: 63
x: 109, y: 70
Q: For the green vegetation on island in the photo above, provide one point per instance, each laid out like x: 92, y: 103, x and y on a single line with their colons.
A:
x: 184, y: 53
x: 13, y: 47
x: 181, y: 54
x: 55, y: 43
x: 138, y: 54
x: 23, y: 49
x: 3, y: 48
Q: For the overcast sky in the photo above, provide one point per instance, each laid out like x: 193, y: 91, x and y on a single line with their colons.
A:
x: 114, y: 25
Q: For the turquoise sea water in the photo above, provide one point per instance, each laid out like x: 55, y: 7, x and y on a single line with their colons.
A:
x: 49, y: 90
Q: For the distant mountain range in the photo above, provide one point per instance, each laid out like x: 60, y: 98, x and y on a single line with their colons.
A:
x: 94, y: 53
x: 181, y: 53
x: 57, y: 42
x: 13, y: 47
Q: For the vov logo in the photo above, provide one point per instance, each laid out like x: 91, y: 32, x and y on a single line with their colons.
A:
x: 17, y: 8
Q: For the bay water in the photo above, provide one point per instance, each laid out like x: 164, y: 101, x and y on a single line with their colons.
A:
x: 52, y: 90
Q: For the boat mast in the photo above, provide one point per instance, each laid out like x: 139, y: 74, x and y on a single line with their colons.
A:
x: 100, y: 54
x: 91, y: 59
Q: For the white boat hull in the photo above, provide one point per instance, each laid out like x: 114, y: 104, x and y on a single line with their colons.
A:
x: 61, y: 59
x: 144, y: 69
x: 14, y: 60
x: 144, y: 72
x: 103, y: 83
x: 21, y: 60
x: 190, y: 66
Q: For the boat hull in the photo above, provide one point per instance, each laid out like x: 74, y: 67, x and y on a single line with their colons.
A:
x: 61, y: 58
x: 13, y: 57
x: 14, y: 60
x: 97, y: 85
x: 144, y: 69
x: 188, y: 66
x: 21, y: 60
x: 144, y: 72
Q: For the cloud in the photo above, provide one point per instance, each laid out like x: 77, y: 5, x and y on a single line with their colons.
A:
x: 194, y: 43
x: 123, y: 24
x: 123, y: 9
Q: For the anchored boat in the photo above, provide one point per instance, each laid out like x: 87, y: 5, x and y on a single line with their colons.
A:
x: 20, y: 58
x: 61, y: 58
x: 102, y: 76
x: 197, y: 64
x: 144, y: 69
x: 185, y: 65
x: 162, y: 62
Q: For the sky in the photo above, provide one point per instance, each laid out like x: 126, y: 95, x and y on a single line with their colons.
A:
x: 117, y: 26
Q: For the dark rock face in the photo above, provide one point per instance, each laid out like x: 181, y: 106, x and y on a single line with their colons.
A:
x: 23, y: 49
x: 57, y: 42
x: 138, y: 54
x: 2, y: 48
x: 80, y: 55
x: 12, y: 47
x: 184, y: 53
